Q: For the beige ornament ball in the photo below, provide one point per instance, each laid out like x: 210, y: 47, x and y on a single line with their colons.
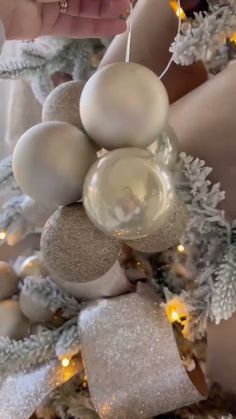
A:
x: 124, y: 105
x: 35, y: 213
x: 32, y: 266
x: 127, y: 194
x: 168, y: 235
x: 13, y: 323
x: 33, y: 310
x: 8, y: 281
x: 63, y: 104
x: 73, y: 249
x: 50, y: 162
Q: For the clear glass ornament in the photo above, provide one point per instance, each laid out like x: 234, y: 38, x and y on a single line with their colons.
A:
x: 128, y: 194
x: 165, y: 148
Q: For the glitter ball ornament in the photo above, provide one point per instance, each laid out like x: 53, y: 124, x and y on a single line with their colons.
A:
x: 145, y: 377
x: 168, y: 235
x: 32, y: 266
x: 127, y: 194
x: 63, y: 104
x: 50, y: 162
x: 35, y: 213
x: 13, y: 323
x: 165, y: 148
x: 73, y: 249
x: 123, y: 105
x: 8, y: 281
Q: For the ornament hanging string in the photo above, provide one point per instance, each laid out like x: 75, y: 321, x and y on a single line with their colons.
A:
x: 128, y: 47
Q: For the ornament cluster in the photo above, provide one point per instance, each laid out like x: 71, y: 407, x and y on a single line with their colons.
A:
x: 127, y: 195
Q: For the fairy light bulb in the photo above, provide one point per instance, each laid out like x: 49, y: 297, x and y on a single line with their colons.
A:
x: 3, y: 235
x: 180, y: 248
x: 65, y: 362
x: 176, y: 310
x: 233, y: 38
x: 178, y: 10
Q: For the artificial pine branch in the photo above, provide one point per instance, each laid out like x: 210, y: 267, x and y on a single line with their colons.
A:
x: 69, y: 343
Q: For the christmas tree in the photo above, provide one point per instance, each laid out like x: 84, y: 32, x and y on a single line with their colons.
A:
x: 137, y: 322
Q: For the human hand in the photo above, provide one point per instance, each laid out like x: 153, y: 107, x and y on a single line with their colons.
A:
x: 28, y: 19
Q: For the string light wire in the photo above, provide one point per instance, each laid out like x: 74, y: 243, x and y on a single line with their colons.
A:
x: 129, y: 40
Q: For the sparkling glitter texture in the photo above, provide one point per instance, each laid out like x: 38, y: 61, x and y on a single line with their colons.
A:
x: 131, y: 358
x: 21, y: 394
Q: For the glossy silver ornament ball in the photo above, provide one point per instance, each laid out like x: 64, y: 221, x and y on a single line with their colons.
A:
x: 63, y: 104
x: 168, y: 235
x: 50, y: 162
x: 33, y: 310
x: 166, y: 148
x: 8, y: 281
x: 32, y: 266
x: 127, y: 194
x: 73, y: 249
x: 124, y: 105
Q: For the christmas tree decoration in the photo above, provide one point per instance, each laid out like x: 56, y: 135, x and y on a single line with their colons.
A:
x: 35, y: 213
x: 127, y: 194
x: 134, y: 372
x: 73, y: 249
x: 32, y: 266
x: 63, y: 104
x: 124, y: 105
x: 32, y: 387
x: 13, y: 324
x: 33, y: 310
x: 114, y: 282
x: 168, y: 235
x: 50, y: 162
x: 221, y: 347
x: 8, y: 281
x: 165, y: 148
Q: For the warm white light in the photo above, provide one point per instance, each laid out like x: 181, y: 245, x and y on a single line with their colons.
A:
x: 3, y: 235
x: 180, y: 248
x: 65, y: 362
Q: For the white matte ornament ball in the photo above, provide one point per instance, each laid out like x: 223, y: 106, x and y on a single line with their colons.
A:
x: 168, y: 235
x: 63, y: 104
x: 73, y: 249
x: 32, y: 266
x: 165, y: 148
x: 124, y: 105
x: 50, y: 162
x: 35, y: 213
x: 13, y: 323
x: 33, y: 310
x: 8, y: 281
x: 127, y: 194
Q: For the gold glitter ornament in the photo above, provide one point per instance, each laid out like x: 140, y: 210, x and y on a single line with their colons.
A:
x: 168, y: 235
x: 50, y: 162
x: 127, y: 194
x: 63, y: 103
x: 8, y: 281
x: 136, y: 371
x: 73, y: 249
x: 124, y: 105
x: 32, y: 266
x: 165, y: 148
x: 13, y: 324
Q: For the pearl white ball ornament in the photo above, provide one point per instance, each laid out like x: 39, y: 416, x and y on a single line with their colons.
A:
x: 124, y: 105
x: 63, y: 104
x: 168, y: 235
x: 32, y: 266
x: 127, y: 194
x: 165, y: 148
x: 8, y: 281
x: 13, y: 323
x: 73, y: 249
x: 50, y: 162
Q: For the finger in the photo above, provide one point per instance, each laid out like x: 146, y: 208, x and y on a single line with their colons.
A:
x: 78, y: 27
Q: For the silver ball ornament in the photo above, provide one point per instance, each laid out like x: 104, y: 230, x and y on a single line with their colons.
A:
x: 33, y: 310
x: 166, y: 148
x: 73, y: 249
x: 62, y: 104
x: 32, y: 266
x: 127, y: 194
x: 124, y: 105
x: 35, y: 213
x: 168, y: 235
x: 13, y: 324
x: 50, y: 162
x: 8, y: 281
